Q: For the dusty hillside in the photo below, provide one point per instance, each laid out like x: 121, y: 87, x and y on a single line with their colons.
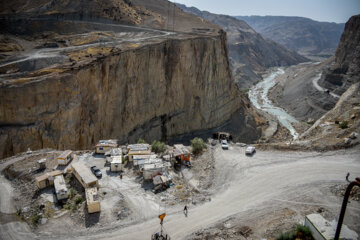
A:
x: 345, y: 70
x: 159, y: 14
x: 311, y: 91
x: 341, y: 125
x: 72, y: 78
x: 328, y: 92
x: 303, y: 35
x: 249, y: 52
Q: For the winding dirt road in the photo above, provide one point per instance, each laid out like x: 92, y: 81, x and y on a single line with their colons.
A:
x: 241, y: 184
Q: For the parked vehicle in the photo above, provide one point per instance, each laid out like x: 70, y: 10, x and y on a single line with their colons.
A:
x: 250, y: 150
x: 96, y: 171
x: 224, y: 144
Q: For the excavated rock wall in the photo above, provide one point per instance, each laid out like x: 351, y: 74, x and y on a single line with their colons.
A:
x: 154, y: 92
x: 345, y: 71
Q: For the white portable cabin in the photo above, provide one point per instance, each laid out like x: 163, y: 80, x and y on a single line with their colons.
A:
x: 105, y: 145
x: 116, y: 164
x: 138, y: 149
x: 64, y: 158
x: 92, y: 200
x: 84, y: 175
x: 151, y: 170
x: 140, y: 160
x: 61, y: 190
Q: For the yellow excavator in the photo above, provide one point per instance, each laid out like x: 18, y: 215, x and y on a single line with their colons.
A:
x: 161, y: 235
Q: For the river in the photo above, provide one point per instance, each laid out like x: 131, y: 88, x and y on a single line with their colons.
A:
x: 258, y: 96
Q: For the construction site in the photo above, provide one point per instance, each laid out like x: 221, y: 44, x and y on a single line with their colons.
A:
x: 145, y: 185
x: 148, y: 119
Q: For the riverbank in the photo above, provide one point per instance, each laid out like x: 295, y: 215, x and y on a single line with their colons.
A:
x: 258, y: 96
x: 297, y: 92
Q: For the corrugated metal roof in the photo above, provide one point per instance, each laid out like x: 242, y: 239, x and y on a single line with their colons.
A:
x: 85, y: 173
x: 108, y: 143
x: 65, y: 154
x: 59, y: 184
x: 180, y: 149
x: 116, y: 159
x: 47, y: 175
x: 91, y: 195
x: 138, y: 147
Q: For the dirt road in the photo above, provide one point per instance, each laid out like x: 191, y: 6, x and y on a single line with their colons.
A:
x: 242, y: 184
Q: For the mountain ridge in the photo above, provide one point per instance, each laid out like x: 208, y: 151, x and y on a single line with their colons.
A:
x: 250, y: 54
x: 304, y: 35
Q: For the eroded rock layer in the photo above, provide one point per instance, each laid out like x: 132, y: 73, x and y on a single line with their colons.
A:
x: 155, y: 92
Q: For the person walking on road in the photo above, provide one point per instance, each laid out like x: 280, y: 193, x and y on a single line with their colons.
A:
x: 185, y: 211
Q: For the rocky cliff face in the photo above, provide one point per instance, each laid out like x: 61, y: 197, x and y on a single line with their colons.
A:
x: 345, y: 70
x: 154, y: 92
x: 250, y: 54
x: 79, y: 78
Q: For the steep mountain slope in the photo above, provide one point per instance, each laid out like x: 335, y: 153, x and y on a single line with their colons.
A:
x: 158, y: 14
x: 249, y: 52
x: 78, y: 76
x: 328, y: 92
x: 304, y: 35
x: 345, y: 70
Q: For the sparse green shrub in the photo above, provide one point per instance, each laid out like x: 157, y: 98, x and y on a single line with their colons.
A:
x: 72, y: 193
x: 197, y: 145
x: 73, y: 207
x: 300, y: 232
x: 344, y: 124
x: 123, y: 160
x: 78, y: 199
x: 35, y: 218
x: 158, y: 147
x: 304, y: 230
x: 141, y: 140
x: 67, y: 205
x: 68, y: 177
x: 18, y: 212
x: 290, y: 235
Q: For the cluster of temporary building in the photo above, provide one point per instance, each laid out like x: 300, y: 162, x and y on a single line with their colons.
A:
x: 140, y: 156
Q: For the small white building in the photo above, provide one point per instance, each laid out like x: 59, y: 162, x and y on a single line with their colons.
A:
x: 61, y: 190
x: 92, y: 200
x: 151, y: 170
x: 116, y: 164
x: 64, y: 158
x: 143, y: 159
x: 84, y: 175
x: 138, y: 149
x: 105, y: 145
